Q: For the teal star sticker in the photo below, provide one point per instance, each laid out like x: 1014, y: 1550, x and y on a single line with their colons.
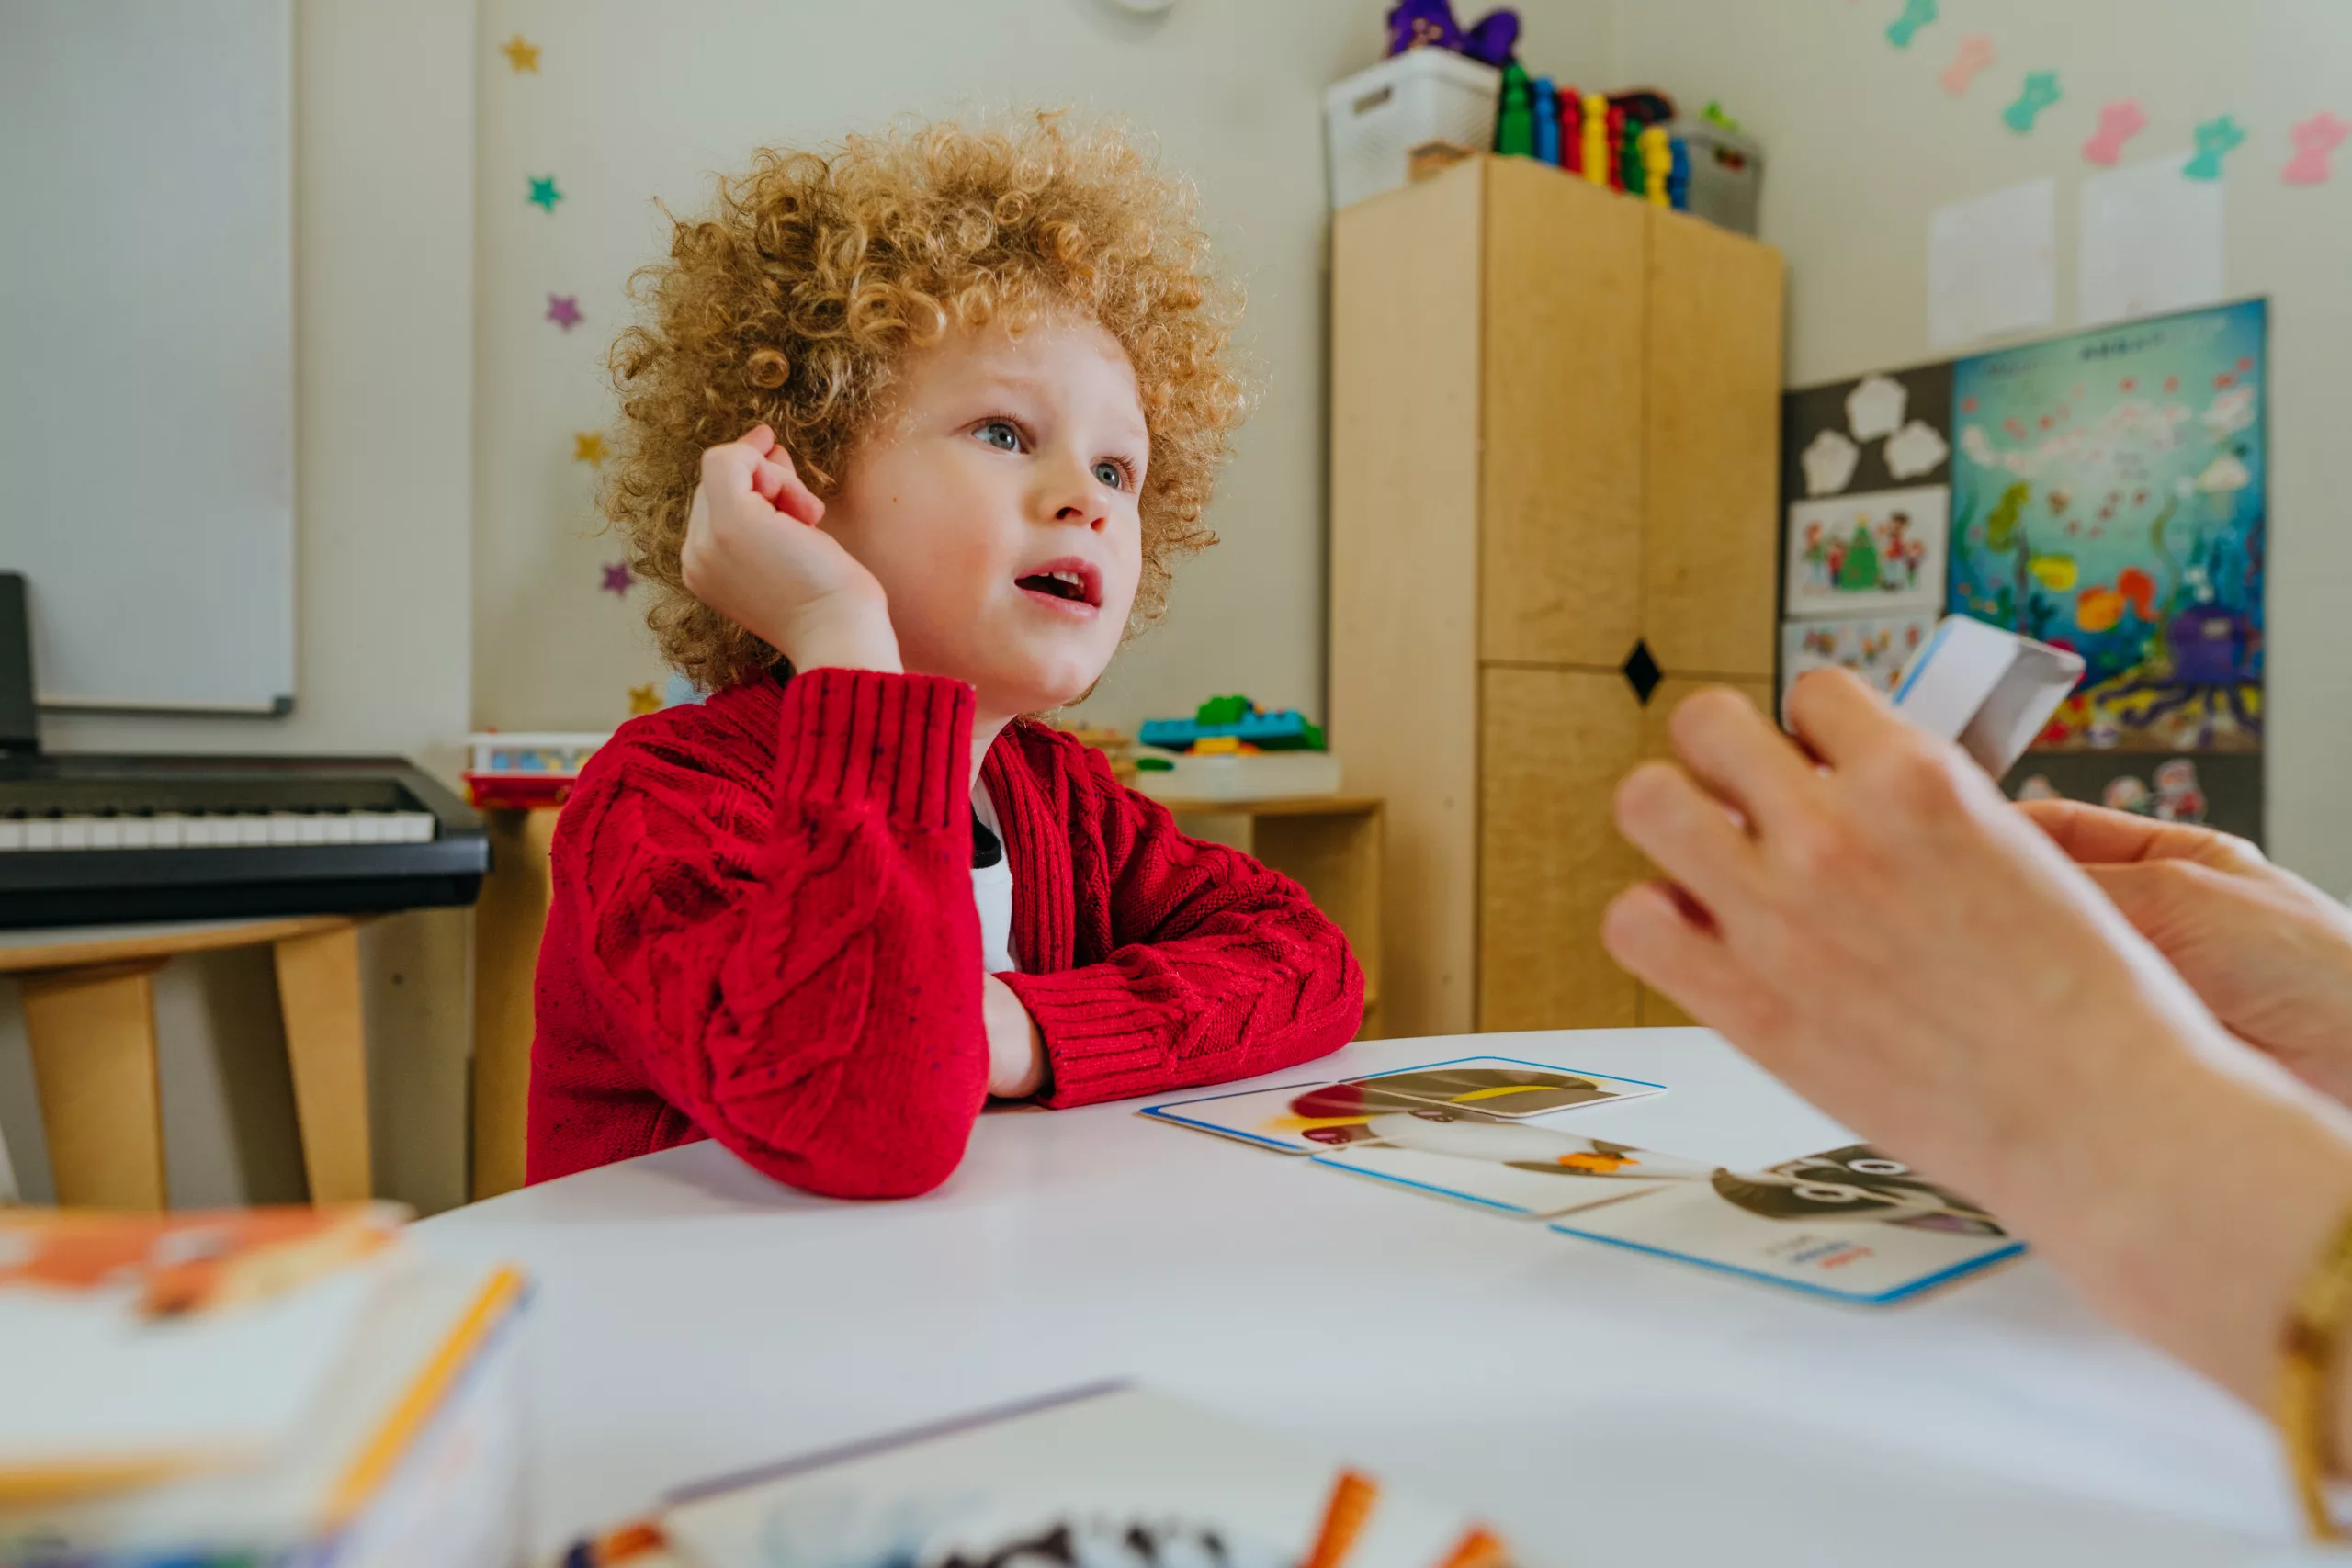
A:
x: 543, y: 191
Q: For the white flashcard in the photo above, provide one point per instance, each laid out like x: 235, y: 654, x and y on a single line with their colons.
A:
x: 1990, y: 690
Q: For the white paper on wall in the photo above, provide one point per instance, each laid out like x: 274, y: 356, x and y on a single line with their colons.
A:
x: 1829, y: 462
x: 1874, y: 408
x: 1992, y: 264
x: 2151, y: 241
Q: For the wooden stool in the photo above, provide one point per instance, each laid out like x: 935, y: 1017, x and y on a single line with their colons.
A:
x: 90, y: 1018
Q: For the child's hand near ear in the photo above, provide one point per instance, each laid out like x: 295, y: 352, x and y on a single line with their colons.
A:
x: 753, y: 553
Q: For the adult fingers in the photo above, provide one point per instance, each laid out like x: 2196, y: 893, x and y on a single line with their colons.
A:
x: 1839, y: 717
x: 1739, y: 754
x: 1687, y: 832
x: 2159, y: 898
x: 2094, y: 835
x: 1652, y: 931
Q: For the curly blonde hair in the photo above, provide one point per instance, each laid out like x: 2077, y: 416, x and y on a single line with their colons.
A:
x: 793, y: 302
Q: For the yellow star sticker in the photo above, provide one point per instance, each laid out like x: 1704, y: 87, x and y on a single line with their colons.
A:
x: 587, y: 446
x: 643, y: 700
x: 521, y: 53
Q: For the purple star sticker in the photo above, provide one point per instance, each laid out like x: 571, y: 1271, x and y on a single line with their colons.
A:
x: 563, y: 310
x: 618, y: 579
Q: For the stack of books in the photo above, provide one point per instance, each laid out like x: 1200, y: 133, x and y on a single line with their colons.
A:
x: 255, y: 1387
x: 1107, y: 1476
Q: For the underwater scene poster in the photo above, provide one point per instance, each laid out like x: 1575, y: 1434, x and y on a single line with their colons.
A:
x: 2108, y: 496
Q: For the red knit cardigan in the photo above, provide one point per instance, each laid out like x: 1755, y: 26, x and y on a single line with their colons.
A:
x: 762, y: 931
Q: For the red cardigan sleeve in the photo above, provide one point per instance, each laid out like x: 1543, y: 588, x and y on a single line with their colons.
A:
x: 811, y: 1001
x: 1222, y: 969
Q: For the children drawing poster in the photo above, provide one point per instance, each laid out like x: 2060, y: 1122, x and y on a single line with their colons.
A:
x: 1875, y: 648
x: 2108, y: 496
x: 1866, y: 555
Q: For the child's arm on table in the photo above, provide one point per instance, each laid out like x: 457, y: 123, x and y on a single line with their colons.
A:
x: 809, y: 1003
x: 1223, y: 968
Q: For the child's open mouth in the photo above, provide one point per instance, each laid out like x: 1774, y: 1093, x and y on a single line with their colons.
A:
x: 1073, y: 582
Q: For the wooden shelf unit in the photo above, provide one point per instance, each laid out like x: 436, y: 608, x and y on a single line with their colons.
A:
x: 1554, y: 438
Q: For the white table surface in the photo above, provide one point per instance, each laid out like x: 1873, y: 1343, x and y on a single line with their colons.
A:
x: 1599, y: 1406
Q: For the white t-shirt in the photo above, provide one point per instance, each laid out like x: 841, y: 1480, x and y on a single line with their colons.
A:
x: 992, y: 887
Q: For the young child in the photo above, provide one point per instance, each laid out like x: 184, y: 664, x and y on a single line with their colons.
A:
x: 912, y: 433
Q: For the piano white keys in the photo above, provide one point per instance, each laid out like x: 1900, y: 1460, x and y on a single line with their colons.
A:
x: 215, y: 831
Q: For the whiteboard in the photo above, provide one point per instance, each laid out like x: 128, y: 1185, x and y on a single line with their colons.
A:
x: 147, y: 348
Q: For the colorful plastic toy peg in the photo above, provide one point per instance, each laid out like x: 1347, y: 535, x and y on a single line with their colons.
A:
x: 1616, y: 146
x: 1572, y: 130
x: 1658, y: 165
x: 2040, y: 91
x: 1515, y: 119
x: 1547, y: 122
x: 2214, y: 138
x: 1596, y: 139
x: 1678, y: 181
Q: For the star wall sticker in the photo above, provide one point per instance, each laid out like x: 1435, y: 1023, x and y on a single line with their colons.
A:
x: 643, y: 700
x: 521, y: 54
x: 543, y: 192
x: 587, y: 446
x: 563, y: 310
x: 617, y: 579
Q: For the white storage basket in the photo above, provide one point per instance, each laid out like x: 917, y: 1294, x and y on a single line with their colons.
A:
x: 1374, y: 118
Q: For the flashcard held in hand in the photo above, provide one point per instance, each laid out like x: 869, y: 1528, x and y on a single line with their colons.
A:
x: 1990, y: 690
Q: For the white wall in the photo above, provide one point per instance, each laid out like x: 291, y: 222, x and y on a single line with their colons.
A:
x: 634, y: 105
x: 1861, y: 144
x: 384, y: 259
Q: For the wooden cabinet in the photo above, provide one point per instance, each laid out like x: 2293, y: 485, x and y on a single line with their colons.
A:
x: 1553, y: 441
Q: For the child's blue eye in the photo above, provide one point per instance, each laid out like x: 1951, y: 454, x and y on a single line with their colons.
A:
x: 1111, y: 474
x: 1000, y: 435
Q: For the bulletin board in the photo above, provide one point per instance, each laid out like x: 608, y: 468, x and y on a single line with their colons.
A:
x: 2105, y: 491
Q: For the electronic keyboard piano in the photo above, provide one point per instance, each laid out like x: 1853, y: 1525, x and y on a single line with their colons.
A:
x: 112, y: 840
x: 92, y: 839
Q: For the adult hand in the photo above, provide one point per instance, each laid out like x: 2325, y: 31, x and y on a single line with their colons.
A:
x: 754, y: 552
x: 2268, y: 953
x: 1016, y: 1054
x: 1884, y: 933
x: 1877, y: 925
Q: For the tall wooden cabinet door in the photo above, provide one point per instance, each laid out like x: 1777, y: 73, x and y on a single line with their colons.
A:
x: 1560, y: 535
x: 1404, y: 627
x: 1710, y: 543
x: 1555, y: 742
x: 1656, y: 1009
